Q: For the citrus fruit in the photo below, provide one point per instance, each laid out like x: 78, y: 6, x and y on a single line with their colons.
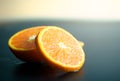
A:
x: 60, y: 49
x: 23, y: 46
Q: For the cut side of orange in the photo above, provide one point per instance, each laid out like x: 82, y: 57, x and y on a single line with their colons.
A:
x: 60, y: 49
x: 49, y: 44
x: 22, y: 44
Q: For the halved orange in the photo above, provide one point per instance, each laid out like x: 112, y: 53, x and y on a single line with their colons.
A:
x: 60, y: 49
x: 22, y: 44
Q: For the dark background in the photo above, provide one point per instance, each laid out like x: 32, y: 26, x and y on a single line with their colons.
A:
x: 102, y: 49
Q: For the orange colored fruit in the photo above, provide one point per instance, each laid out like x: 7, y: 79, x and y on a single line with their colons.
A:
x: 22, y: 44
x: 60, y: 49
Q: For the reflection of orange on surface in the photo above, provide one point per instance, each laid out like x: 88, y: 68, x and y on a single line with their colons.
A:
x: 23, y: 46
x: 55, y: 46
x: 60, y: 49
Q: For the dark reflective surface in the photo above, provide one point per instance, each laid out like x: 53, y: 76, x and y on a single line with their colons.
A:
x: 102, y: 48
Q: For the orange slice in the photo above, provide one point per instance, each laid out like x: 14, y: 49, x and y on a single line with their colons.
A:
x: 60, y: 49
x: 23, y: 46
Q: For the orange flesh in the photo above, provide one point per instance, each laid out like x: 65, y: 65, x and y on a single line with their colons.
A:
x: 26, y: 38
x: 62, y: 47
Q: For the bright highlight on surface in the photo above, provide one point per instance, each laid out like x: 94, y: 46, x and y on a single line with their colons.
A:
x: 31, y: 38
x: 62, y: 45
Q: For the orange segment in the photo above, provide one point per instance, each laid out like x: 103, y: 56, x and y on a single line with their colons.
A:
x: 60, y: 49
x: 22, y: 44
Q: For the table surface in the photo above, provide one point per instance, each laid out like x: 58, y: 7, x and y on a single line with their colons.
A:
x: 102, y: 49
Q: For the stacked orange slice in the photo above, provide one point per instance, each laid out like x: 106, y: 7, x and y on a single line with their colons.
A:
x: 53, y: 45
